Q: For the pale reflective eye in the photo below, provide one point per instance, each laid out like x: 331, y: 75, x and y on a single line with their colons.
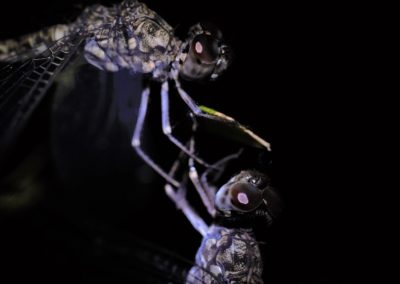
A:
x: 245, y: 196
x: 205, y: 48
x: 242, y: 198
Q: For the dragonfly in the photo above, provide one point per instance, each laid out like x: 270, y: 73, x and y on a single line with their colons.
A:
x: 126, y: 36
x: 229, y: 252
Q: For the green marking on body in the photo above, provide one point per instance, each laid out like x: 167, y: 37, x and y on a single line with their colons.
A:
x: 214, y: 112
x: 208, y: 110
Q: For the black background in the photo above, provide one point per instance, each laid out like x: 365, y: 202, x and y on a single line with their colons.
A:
x: 284, y: 82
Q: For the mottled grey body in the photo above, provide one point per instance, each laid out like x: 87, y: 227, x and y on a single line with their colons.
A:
x: 124, y: 36
x: 127, y: 35
x: 131, y: 36
x: 227, y: 256
x: 33, y: 44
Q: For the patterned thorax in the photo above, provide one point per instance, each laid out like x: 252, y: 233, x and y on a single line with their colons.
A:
x: 228, y: 254
x: 125, y: 36
x: 128, y: 35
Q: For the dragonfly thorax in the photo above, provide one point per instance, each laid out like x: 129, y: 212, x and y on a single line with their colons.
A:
x: 136, y: 38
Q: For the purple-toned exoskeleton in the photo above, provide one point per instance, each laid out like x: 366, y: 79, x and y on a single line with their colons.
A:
x: 125, y: 36
x: 229, y: 252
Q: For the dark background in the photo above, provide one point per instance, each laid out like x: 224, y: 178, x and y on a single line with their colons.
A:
x: 284, y: 83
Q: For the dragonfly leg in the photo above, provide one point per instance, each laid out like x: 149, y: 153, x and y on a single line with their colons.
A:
x: 178, y: 196
x: 182, y: 203
x: 206, y: 197
x: 252, y: 138
x: 203, y: 187
x: 205, y: 190
x: 194, y: 108
x: 220, y: 166
x: 166, y: 125
x: 136, y: 139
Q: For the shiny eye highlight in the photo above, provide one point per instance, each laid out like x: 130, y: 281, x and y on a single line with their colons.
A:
x: 245, y: 197
x: 253, y: 180
x: 204, y: 55
x: 205, y: 48
x: 259, y: 181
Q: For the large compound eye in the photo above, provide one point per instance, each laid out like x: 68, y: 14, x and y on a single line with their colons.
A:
x: 204, y: 54
x: 245, y: 196
x: 205, y: 48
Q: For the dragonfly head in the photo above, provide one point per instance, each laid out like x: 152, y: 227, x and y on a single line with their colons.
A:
x: 204, y: 55
x: 249, y: 192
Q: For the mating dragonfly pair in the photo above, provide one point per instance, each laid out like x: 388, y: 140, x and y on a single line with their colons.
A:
x: 131, y: 36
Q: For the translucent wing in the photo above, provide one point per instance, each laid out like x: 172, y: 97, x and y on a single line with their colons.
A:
x: 150, y: 263
x: 24, y: 83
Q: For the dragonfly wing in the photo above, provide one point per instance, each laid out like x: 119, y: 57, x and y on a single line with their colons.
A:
x: 148, y: 262
x: 228, y: 127
x: 23, y: 84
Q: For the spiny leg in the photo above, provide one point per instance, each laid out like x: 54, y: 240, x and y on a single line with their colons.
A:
x: 187, y: 99
x: 220, y: 165
x: 206, y: 198
x: 136, y: 139
x: 197, y: 112
x: 206, y: 190
x: 166, y: 125
x: 180, y: 201
x: 178, y: 196
x: 247, y: 136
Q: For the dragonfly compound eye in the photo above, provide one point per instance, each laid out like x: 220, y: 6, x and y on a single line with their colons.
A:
x: 207, y: 56
x: 238, y: 196
x: 205, y: 48
x: 245, y: 196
